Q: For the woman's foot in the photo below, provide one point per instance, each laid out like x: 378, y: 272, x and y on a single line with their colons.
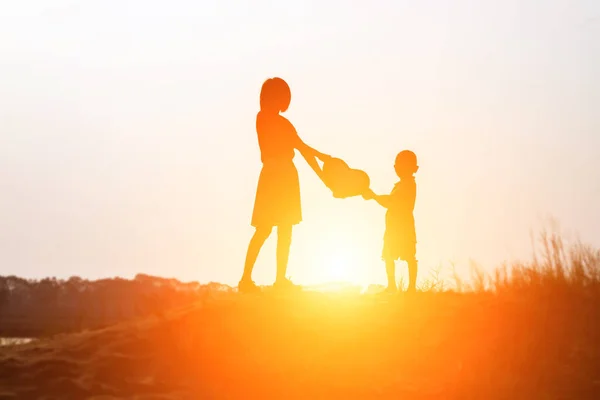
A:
x: 286, y: 284
x: 248, y: 286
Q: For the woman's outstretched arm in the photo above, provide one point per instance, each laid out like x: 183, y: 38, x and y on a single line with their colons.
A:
x: 308, y: 151
x: 311, y: 155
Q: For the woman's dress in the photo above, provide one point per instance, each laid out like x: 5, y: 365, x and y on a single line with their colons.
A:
x: 277, y: 200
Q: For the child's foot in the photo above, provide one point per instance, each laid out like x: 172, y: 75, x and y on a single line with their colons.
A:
x: 286, y: 284
x: 247, y: 286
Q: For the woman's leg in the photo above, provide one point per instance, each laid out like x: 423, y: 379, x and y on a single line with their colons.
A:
x: 256, y: 243
x: 284, y: 241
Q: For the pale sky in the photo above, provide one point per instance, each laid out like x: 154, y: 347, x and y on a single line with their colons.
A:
x: 128, y: 144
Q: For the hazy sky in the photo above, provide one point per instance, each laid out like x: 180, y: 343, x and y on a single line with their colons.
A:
x: 128, y: 144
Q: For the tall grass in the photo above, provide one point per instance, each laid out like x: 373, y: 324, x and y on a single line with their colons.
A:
x: 556, y: 266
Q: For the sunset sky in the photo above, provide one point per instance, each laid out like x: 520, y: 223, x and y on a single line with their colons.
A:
x: 128, y: 144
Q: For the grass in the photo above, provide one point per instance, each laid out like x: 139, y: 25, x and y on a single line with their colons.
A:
x: 555, y: 266
x: 528, y: 330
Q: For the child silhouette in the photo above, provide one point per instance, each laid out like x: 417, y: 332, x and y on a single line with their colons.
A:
x: 399, y: 240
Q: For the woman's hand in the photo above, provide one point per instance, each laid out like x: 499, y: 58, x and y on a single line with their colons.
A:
x: 324, y: 157
x: 311, y: 155
x: 321, y: 175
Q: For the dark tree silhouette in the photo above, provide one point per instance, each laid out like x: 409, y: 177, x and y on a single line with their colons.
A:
x: 50, y: 305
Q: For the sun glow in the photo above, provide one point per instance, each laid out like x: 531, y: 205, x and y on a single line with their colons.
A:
x: 340, y: 266
x: 341, y: 244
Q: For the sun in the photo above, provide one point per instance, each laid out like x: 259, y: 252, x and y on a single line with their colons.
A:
x: 339, y: 251
x: 340, y: 266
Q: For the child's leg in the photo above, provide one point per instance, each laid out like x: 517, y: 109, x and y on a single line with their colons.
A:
x: 284, y: 241
x: 256, y: 243
x: 390, y: 270
x: 412, y: 274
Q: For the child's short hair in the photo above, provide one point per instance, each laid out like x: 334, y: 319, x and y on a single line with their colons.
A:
x: 406, y: 157
x: 275, y: 94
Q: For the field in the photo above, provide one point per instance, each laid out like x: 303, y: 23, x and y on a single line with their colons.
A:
x: 533, y: 333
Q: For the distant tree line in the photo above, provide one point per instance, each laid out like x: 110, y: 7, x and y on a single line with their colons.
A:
x: 52, y: 305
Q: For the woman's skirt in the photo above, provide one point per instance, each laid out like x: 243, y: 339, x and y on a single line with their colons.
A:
x: 277, y: 199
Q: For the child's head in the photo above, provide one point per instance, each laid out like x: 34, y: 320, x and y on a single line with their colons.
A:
x: 275, y: 95
x: 406, y: 163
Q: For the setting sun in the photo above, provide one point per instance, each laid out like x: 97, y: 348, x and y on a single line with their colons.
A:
x: 340, y: 266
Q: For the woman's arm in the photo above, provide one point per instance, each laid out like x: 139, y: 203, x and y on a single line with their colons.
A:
x: 311, y: 155
x: 304, y: 149
x: 308, y: 151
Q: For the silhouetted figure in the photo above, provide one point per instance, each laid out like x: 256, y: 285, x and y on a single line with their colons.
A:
x: 399, y: 240
x: 277, y: 201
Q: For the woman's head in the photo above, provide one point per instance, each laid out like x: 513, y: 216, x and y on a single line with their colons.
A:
x: 275, y: 95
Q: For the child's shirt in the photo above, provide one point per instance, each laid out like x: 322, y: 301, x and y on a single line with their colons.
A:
x: 399, y: 219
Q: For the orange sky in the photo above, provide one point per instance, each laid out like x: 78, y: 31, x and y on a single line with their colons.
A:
x: 127, y: 139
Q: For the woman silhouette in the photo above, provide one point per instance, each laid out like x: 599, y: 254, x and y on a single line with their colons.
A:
x: 277, y: 201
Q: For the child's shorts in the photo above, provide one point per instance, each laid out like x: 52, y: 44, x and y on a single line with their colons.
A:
x: 398, y: 246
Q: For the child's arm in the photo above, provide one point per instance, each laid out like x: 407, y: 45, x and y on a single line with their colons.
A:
x: 384, y: 200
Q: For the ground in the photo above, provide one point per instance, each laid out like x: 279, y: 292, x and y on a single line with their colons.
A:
x: 316, y: 345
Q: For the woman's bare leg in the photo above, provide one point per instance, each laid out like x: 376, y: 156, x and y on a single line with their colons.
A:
x: 284, y: 241
x: 256, y: 243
